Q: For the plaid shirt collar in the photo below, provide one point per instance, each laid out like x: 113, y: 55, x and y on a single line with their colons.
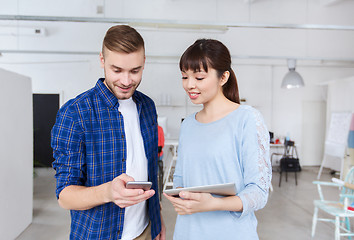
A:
x: 110, y: 100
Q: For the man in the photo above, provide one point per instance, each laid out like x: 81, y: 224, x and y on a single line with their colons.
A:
x: 104, y: 138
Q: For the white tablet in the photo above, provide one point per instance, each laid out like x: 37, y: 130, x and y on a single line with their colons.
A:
x: 224, y: 189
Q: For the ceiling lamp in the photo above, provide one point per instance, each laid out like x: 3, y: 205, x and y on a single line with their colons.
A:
x: 292, y: 79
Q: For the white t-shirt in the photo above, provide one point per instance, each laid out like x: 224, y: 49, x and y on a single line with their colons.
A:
x: 135, y: 217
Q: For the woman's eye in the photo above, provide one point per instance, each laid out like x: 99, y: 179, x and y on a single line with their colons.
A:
x: 199, y: 78
x: 184, y: 78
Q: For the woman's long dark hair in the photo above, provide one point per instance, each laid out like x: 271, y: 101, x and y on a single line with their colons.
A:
x: 212, y: 53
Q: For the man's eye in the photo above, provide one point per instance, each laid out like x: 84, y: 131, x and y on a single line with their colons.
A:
x: 184, y: 78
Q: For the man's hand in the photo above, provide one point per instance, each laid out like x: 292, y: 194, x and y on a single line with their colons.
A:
x: 190, y: 202
x: 123, y: 197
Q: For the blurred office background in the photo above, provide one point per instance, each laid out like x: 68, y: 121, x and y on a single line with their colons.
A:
x: 49, y: 54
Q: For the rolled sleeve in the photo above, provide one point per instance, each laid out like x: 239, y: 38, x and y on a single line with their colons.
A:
x: 67, y: 144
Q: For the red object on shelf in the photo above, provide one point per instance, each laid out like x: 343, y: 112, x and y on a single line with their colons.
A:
x: 351, y: 208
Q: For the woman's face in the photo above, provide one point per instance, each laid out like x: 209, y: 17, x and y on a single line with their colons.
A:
x: 202, y: 87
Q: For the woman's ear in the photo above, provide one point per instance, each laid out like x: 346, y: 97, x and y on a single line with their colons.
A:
x: 224, y: 78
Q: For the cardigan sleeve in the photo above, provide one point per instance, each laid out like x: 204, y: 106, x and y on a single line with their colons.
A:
x: 256, y: 162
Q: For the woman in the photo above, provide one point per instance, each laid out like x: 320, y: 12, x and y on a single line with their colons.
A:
x: 224, y: 142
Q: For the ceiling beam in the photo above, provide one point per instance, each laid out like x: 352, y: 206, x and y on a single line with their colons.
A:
x: 175, y: 58
x: 152, y: 23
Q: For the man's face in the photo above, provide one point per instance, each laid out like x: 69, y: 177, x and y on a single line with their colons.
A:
x: 123, y: 71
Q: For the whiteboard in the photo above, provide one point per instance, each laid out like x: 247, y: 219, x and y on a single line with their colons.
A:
x: 339, y: 128
x: 336, y: 140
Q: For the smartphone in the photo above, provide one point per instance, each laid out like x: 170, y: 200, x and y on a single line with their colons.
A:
x: 139, y: 185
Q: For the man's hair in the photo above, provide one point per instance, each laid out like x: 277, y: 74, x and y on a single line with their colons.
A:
x: 123, y: 39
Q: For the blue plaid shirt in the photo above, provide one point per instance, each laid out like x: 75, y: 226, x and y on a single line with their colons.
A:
x: 88, y: 142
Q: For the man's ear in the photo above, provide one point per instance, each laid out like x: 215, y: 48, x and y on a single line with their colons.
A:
x: 144, y: 61
x: 101, y: 60
x: 224, y: 78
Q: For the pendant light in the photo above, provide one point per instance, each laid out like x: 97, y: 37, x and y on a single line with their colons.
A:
x: 292, y: 79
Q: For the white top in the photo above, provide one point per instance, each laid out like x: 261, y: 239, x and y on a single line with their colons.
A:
x: 135, y: 217
x: 232, y: 149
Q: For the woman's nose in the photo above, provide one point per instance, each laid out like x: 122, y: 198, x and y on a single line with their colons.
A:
x: 190, y: 83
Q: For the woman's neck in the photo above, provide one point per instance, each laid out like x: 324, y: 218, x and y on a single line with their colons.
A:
x: 216, y: 110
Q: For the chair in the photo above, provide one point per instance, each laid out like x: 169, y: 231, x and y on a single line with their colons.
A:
x: 169, y: 163
x: 289, y: 161
x: 337, y: 209
x: 275, y: 154
x: 289, y: 149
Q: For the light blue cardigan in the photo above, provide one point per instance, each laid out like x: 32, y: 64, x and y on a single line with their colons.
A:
x: 232, y: 149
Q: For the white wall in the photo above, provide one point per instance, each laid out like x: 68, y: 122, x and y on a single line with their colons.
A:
x: 259, y: 73
x: 341, y: 95
x: 16, y: 154
x: 340, y: 99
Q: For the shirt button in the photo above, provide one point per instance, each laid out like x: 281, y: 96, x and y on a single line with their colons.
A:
x: 123, y: 159
x: 122, y: 135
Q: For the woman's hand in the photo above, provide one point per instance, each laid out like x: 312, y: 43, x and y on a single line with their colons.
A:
x: 190, y: 202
